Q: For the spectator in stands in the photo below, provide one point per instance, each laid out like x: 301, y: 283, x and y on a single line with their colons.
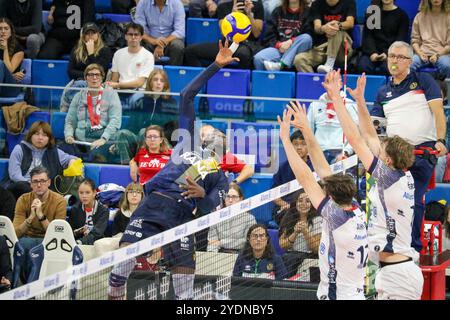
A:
x: 8, y: 203
x: 300, y: 232
x: 327, y: 129
x: 164, y: 28
x: 38, y: 148
x: 430, y: 36
x: 442, y: 171
x: 152, y: 156
x: 203, y: 8
x: 88, y: 218
x: 333, y: 22
x: 64, y: 31
x: 132, y: 65
x: 153, y: 109
x: 285, y: 36
x: 258, y: 259
x: 193, y: 54
x: 229, y: 236
x: 94, y: 116
x: 11, y: 56
x: 132, y: 198
x: 377, y: 40
x: 5, y: 266
x: 26, y: 16
x: 285, y: 174
x: 236, y: 170
x: 88, y: 50
x: 446, y: 230
x: 411, y: 102
x: 34, y: 211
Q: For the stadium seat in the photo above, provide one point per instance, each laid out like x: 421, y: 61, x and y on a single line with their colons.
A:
x: 57, y: 122
x: 45, y: 21
x: 410, y: 6
x: 361, y: 6
x: 357, y: 35
x: 49, y: 73
x: 3, y: 168
x: 309, y: 85
x: 26, y: 65
x: 16, y: 251
x: 274, y: 239
x: 92, y: 171
x: 199, y: 30
x: 57, y: 252
x: 373, y: 84
x: 115, y: 174
x: 179, y: 77
x: 118, y: 18
x: 442, y: 191
x: 257, y: 184
x: 271, y: 84
x: 228, y: 82
x: 103, y: 6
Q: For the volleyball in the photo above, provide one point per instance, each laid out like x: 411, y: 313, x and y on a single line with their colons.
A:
x: 236, y: 27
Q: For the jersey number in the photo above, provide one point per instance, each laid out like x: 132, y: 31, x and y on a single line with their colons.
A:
x: 364, y: 256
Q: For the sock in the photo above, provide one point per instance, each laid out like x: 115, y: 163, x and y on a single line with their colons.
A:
x: 118, y: 278
x: 330, y: 62
x: 183, y: 285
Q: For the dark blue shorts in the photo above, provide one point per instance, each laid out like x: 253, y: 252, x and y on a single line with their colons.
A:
x: 158, y: 214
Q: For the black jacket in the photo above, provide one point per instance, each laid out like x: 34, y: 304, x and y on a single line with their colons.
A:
x: 100, y: 217
x: 5, y: 260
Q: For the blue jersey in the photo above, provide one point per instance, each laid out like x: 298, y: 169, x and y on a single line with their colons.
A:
x: 189, y: 159
x: 272, y: 268
x: 405, y: 107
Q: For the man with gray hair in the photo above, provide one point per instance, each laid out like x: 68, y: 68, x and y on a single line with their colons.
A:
x: 412, y: 104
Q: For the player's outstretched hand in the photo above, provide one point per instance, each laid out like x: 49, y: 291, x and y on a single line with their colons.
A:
x: 225, y: 55
x: 285, y: 124
x: 300, y: 120
x: 193, y: 189
x: 358, y: 92
x: 332, y: 84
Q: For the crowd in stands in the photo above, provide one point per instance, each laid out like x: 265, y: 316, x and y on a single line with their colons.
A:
x: 300, y: 35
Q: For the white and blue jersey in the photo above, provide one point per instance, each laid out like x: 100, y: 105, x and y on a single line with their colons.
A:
x: 405, y: 107
x: 392, y: 212
x: 343, y: 252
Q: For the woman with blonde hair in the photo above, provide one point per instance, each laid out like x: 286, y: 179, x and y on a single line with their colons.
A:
x: 152, y: 156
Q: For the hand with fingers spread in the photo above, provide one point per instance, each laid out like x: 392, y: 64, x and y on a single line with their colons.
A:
x: 332, y: 84
x: 225, y: 55
x: 358, y: 92
x: 285, y: 125
x: 300, y: 120
x: 193, y: 189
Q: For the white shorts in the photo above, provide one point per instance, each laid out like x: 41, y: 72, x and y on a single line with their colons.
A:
x: 401, y: 281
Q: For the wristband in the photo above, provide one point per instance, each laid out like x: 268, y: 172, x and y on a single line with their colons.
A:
x: 442, y: 141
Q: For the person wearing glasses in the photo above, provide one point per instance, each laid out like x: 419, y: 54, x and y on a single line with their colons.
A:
x: 258, y: 259
x: 38, y: 148
x: 229, y: 236
x: 95, y: 116
x: 430, y: 36
x: 412, y: 104
x: 151, y: 157
x: 34, y: 211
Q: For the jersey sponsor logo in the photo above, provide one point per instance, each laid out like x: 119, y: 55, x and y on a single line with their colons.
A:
x: 137, y: 223
x: 350, y: 255
x: 377, y: 248
x: 409, y: 196
x: 59, y: 228
x: 247, y: 268
x: 389, y: 94
x: 360, y: 226
x: 400, y: 213
x: 269, y: 267
x: 413, y: 85
x: 322, y: 248
x: 138, y: 235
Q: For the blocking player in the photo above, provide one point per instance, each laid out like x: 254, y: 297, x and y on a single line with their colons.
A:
x: 191, y: 179
x: 392, y: 196
x: 343, y: 244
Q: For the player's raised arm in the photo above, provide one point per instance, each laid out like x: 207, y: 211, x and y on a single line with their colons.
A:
x: 301, y: 122
x: 365, y: 121
x: 350, y: 128
x: 301, y: 170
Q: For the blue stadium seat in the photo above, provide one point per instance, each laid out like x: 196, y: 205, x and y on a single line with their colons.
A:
x: 257, y: 184
x: 3, y: 168
x: 361, y: 6
x: 179, y: 77
x: 309, y: 85
x: 119, y: 18
x: 200, y: 30
x: 221, y: 125
x: 50, y: 73
x: 373, y: 84
x: 58, y: 120
x: 103, y: 6
x: 47, y: 4
x: 92, y: 171
x: 26, y: 65
x: 271, y: 84
x: 274, y: 239
x: 253, y: 138
x: 410, y: 6
x: 357, y: 35
x: 115, y: 174
x: 228, y: 82
x: 45, y: 21
x: 442, y: 191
